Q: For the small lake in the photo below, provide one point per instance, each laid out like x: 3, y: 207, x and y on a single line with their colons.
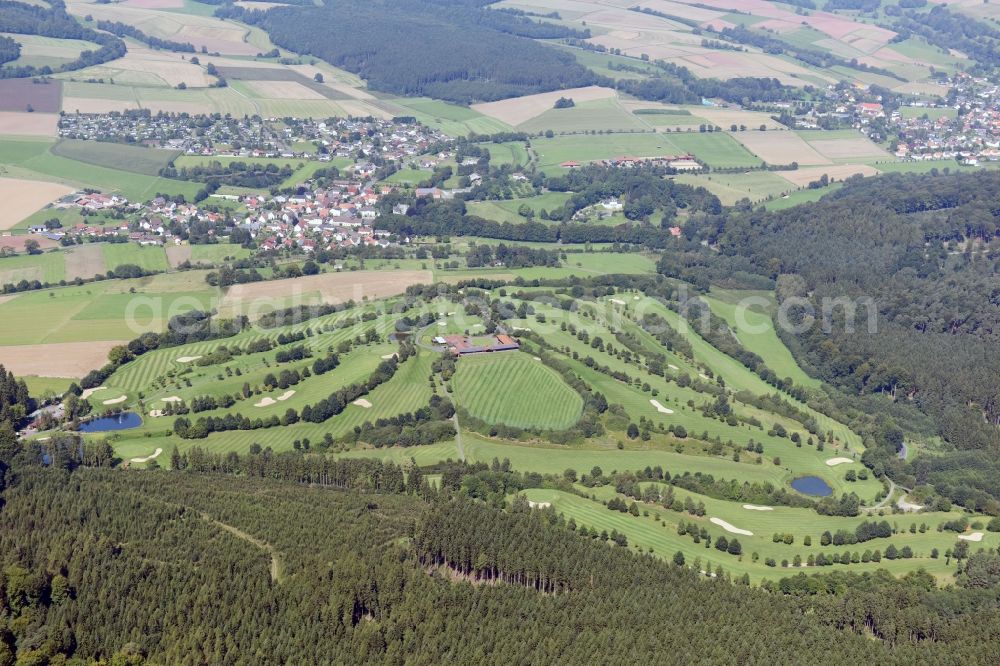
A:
x: 123, y: 421
x: 812, y: 485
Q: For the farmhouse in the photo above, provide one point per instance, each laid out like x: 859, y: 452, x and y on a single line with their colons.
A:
x: 462, y: 345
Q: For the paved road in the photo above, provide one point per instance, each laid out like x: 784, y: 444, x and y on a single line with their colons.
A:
x: 884, y: 501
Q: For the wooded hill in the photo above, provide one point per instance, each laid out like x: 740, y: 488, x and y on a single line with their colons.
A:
x: 457, y: 51
x: 189, y: 567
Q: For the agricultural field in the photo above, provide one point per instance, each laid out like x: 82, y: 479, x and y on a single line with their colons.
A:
x: 20, y: 94
x: 152, y: 258
x: 23, y: 197
x: 450, y: 118
x: 101, y: 310
x: 35, y: 159
x: 215, y: 35
x: 37, y: 51
x: 716, y: 149
x: 136, y: 159
x: 731, y: 187
x: 586, y: 148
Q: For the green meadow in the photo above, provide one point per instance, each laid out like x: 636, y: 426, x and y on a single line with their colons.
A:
x: 33, y: 158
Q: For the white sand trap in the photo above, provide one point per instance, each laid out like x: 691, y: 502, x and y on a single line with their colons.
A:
x: 537, y: 358
x: 617, y: 301
x: 975, y: 536
x: 156, y: 413
x: 635, y: 298
x: 833, y: 462
x: 729, y: 528
x: 705, y: 377
x: 754, y: 507
x: 361, y: 402
x: 147, y: 458
x: 266, y: 402
x: 187, y: 359
x: 521, y: 328
x: 285, y: 396
x: 173, y: 398
x: 386, y: 357
x: 660, y: 408
x: 442, y: 323
x: 539, y: 505
x: 116, y: 401
x: 89, y: 392
x: 672, y: 366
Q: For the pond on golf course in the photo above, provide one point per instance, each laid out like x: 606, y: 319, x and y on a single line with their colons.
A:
x: 123, y: 421
x: 812, y: 485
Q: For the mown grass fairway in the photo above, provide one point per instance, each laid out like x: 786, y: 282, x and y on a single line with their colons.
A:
x: 514, y: 389
x: 751, y: 320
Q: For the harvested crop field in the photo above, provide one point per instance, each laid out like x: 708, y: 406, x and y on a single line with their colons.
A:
x: 840, y: 149
x: 521, y: 109
x: 16, y: 243
x: 23, y: 197
x: 780, y: 147
x: 18, y: 94
x: 96, y: 105
x: 282, y: 90
x: 84, y: 261
x: 67, y: 359
x: 261, y: 297
x: 178, y: 254
x: 802, y: 177
x: 21, y: 123
x: 201, y: 31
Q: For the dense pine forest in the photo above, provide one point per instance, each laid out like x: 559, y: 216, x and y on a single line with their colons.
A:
x: 466, y: 53
x: 260, y: 565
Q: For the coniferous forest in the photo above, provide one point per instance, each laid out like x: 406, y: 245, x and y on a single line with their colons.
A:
x: 284, y: 559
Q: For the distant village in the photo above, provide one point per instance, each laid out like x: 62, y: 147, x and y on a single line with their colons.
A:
x: 341, y: 215
x: 211, y: 135
x: 342, y: 212
x: 961, y: 124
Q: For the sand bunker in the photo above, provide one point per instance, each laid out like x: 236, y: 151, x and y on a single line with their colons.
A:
x: 660, y: 408
x: 156, y: 413
x: 285, y: 396
x: 442, y: 323
x: 833, y: 462
x: 173, y: 398
x: 266, y: 402
x: 729, y: 528
x: 187, y: 359
x: 754, y: 507
x: 361, y: 402
x: 672, y: 366
x: 386, y: 357
x: 537, y: 358
x: 539, y: 505
x: 116, y: 401
x: 147, y: 458
x: 91, y: 391
x: 975, y: 536
x: 617, y: 301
